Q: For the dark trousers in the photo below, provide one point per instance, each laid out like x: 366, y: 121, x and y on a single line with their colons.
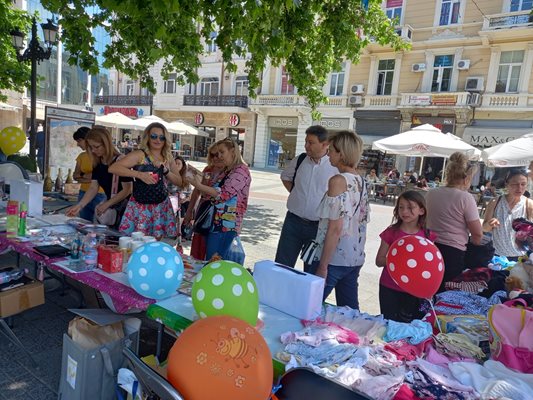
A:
x: 296, y: 232
x: 398, y: 306
x: 454, y: 263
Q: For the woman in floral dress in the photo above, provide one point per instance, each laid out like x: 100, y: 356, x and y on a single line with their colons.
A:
x: 343, y: 215
x: 158, y: 219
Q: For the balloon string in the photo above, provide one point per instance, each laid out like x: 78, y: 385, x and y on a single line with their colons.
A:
x: 435, y: 313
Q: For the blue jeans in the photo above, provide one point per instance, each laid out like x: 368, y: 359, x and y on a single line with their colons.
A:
x: 343, y: 280
x: 87, y: 212
x: 219, y: 242
x: 296, y: 232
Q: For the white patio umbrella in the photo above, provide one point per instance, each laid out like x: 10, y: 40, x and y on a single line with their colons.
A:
x: 425, y: 141
x: 141, y: 123
x: 516, y: 153
x: 185, y: 129
x: 115, y: 120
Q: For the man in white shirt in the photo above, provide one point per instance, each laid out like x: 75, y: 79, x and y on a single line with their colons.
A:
x: 307, y: 184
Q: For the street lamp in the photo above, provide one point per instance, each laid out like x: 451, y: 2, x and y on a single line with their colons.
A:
x: 34, y: 53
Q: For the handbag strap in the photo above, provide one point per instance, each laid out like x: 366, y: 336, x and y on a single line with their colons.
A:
x: 116, y: 178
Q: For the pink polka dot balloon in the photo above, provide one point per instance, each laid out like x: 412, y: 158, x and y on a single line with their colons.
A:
x: 416, y: 265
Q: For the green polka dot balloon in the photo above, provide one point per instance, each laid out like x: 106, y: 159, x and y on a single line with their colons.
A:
x: 225, y: 288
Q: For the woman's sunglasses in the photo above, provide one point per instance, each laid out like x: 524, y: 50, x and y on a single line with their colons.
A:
x: 155, y: 136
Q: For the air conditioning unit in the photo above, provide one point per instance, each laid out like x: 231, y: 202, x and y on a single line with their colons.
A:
x: 463, y: 64
x: 405, y: 32
x: 357, y: 89
x: 474, y: 99
x: 474, y: 84
x: 355, y: 100
x: 420, y: 67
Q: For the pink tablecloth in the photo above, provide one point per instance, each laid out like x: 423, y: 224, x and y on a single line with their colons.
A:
x: 124, y: 297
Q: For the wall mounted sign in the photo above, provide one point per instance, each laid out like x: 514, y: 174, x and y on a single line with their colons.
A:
x: 334, y: 123
x: 199, y: 119
x: 234, y: 120
x: 283, y: 122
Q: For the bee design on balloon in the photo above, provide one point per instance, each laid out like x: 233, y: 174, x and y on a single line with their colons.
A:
x: 234, y: 347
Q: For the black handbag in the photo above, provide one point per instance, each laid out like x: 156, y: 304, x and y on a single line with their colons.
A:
x: 204, y: 218
x: 203, y: 221
x: 150, y: 194
x: 479, y: 255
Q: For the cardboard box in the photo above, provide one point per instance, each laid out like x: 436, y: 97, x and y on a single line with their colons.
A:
x: 14, y: 301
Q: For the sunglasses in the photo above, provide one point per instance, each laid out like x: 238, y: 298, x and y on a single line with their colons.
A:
x: 213, y: 154
x: 155, y: 136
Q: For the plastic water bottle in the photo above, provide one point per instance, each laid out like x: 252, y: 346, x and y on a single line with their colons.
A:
x: 11, y: 275
x: 90, y: 252
x: 75, y: 247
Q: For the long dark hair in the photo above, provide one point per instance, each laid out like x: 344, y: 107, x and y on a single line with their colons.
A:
x: 416, y: 197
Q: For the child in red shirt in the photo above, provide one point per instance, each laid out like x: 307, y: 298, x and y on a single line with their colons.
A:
x: 409, y: 219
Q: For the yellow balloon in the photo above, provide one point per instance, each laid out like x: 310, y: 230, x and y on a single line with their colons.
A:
x: 12, y: 139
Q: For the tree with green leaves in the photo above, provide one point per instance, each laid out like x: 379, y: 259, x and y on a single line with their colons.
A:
x: 310, y: 37
x: 13, y: 74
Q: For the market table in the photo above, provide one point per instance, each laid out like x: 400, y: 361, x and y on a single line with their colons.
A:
x: 123, y: 297
x: 177, y: 313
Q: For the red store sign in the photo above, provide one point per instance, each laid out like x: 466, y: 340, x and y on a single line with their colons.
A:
x: 234, y: 120
x: 127, y: 111
x: 199, y: 119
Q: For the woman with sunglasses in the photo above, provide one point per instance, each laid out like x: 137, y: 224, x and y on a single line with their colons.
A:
x: 102, y: 154
x: 151, y: 165
x: 211, y: 172
x: 230, y: 195
x: 502, y: 210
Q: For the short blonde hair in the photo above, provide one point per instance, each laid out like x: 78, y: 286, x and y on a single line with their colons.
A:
x: 229, y: 144
x: 210, y: 160
x: 349, y: 144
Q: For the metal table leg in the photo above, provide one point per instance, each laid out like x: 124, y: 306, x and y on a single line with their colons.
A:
x: 6, y: 330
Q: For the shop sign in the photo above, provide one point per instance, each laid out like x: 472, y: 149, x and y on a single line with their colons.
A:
x: 334, y: 123
x: 132, y: 112
x: 489, y: 140
x: 419, y: 100
x: 199, y: 119
x: 443, y: 99
x: 283, y: 122
x: 234, y: 120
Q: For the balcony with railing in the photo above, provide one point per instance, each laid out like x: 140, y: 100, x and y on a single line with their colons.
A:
x: 508, y: 101
x: 507, y: 20
x: 438, y: 100
x: 380, y: 102
x: 279, y: 100
x: 215, y: 101
x: 124, y: 100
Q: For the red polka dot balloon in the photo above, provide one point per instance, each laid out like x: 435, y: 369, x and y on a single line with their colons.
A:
x: 416, y: 265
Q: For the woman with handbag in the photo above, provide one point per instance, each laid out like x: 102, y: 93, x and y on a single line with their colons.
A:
x: 452, y: 214
x: 103, y: 155
x: 211, y: 172
x: 502, y: 210
x: 343, y: 215
x: 149, y: 209
x: 229, y: 199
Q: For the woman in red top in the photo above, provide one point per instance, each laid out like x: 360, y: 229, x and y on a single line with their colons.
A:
x: 409, y: 219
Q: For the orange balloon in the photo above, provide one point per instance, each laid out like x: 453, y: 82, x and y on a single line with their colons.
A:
x: 221, y: 357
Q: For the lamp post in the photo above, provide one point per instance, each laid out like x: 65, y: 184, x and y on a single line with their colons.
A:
x: 34, y: 53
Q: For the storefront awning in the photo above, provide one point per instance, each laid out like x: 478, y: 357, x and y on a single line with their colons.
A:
x: 483, y: 137
x: 369, y: 139
x: 8, y: 107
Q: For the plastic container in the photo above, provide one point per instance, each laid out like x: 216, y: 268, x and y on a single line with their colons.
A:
x: 22, y: 219
x: 11, y: 275
x: 12, y: 218
x: 90, y: 250
x: 137, y: 235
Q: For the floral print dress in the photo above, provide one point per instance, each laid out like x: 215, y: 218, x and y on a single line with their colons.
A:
x: 353, y: 208
x: 156, y: 220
